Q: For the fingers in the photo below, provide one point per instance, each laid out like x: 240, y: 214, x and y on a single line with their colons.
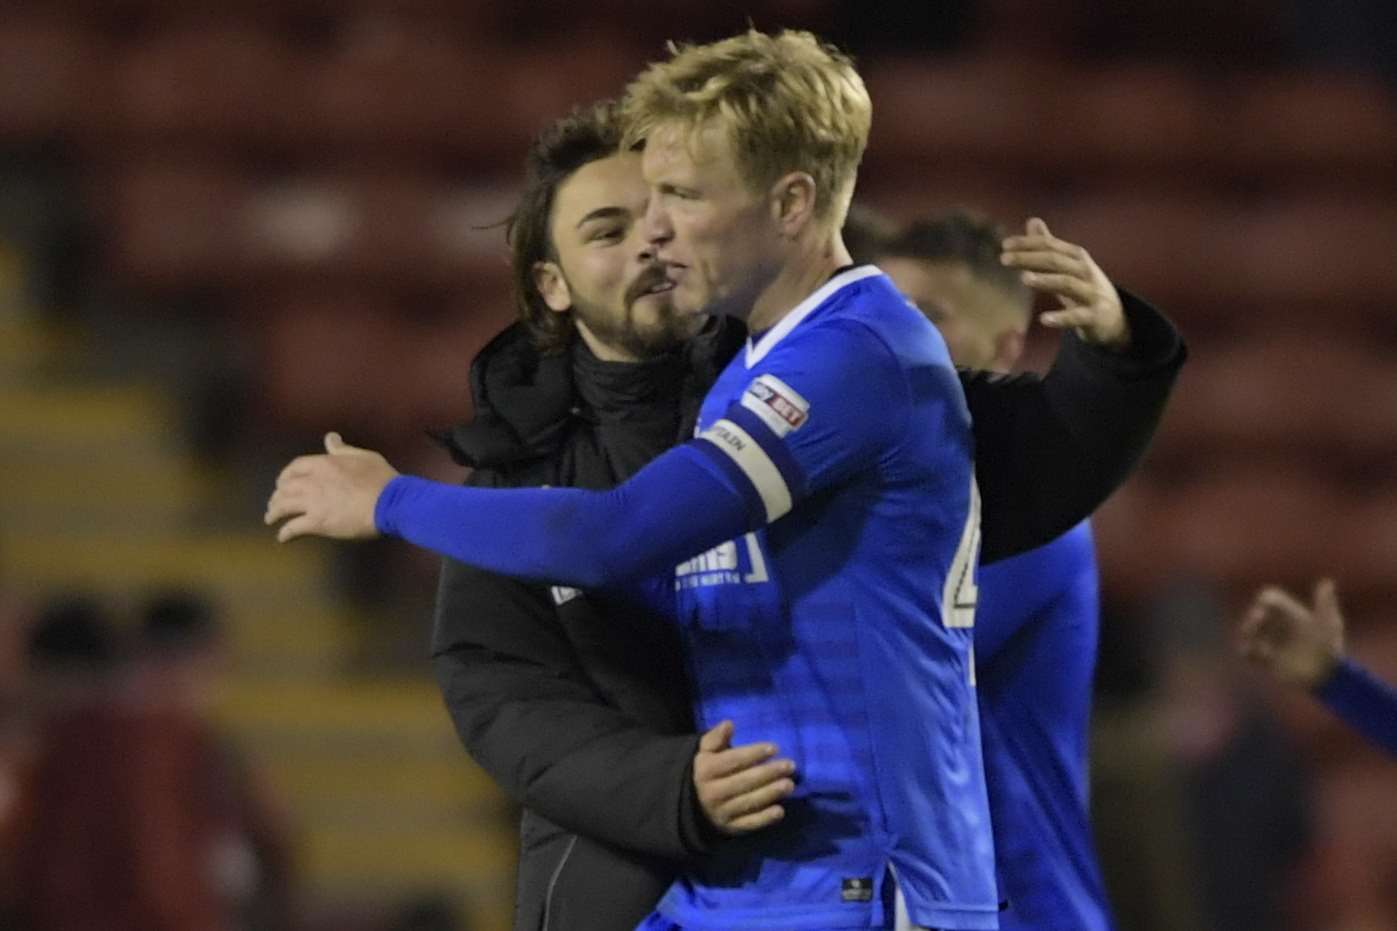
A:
x: 716, y: 738
x: 1038, y: 243
x: 754, y: 802
x: 1328, y: 612
x: 1036, y: 227
x: 1326, y: 598
x: 751, y: 779
x: 1278, y: 599
x: 1043, y: 260
x: 757, y: 820
x: 287, y: 501
x: 299, y: 467
x: 1069, y: 317
x: 336, y: 446
x: 713, y: 766
x: 1251, y: 642
x: 296, y: 527
x: 1070, y: 287
x: 1269, y: 624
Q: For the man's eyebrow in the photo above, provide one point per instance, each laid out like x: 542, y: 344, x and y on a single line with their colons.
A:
x: 602, y: 213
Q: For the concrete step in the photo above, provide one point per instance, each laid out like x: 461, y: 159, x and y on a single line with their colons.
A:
x: 386, y: 800
x: 342, y: 788
x: 306, y: 644
x: 106, y: 423
x: 404, y: 711
x: 32, y: 351
x: 411, y: 859
x: 156, y: 493
x: 248, y: 569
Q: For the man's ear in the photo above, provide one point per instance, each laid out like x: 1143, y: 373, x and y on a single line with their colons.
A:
x: 1008, y: 346
x: 552, y: 286
x: 793, y: 199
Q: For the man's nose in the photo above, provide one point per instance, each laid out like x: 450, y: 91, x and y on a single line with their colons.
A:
x: 657, y: 228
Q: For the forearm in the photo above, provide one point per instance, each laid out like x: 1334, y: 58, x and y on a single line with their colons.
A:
x: 673, y: 509
x: 1362, y: 702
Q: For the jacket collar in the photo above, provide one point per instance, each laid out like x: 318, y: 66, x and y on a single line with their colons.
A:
x: 526, y: 402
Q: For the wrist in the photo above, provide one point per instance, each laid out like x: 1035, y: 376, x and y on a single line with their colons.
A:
x: 1327, y: 672
x: 383, y: 512
x: 1113, y: 339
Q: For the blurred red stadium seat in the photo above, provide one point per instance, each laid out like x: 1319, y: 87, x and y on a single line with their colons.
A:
x: 366, y: 360
x: 403, y: 229
x: 170, y: 224
x: 1169, y: 245
x: 190, y: 224
x: 1342, y: 126
x: 203, y: 82
x: 386, y: 84
x: 969, y: 111
x: 1328, y: 250
x: 1311, y: 395
x: 48, y: 68
x: 1243, y: 527
x: 533, y: 87
x: 1130, y: 119
x: 931, y: 187
x: 327, y: 359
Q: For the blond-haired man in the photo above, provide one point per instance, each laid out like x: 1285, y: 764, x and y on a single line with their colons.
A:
x: 828, y: 494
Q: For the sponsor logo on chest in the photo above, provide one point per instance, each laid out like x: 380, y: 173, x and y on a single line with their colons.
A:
x: 733, y: 563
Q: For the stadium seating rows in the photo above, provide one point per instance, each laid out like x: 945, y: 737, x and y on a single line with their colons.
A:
x: 328, y: 180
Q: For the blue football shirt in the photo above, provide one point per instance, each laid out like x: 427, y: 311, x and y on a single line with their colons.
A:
x: 841, y: 631
x: 1035, y: 640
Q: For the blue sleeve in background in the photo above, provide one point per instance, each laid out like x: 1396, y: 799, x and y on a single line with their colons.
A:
x: 1364, y: 703
x: 673, y: 509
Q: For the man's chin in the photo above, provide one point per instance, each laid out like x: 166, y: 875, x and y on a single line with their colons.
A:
x: 690, y: 306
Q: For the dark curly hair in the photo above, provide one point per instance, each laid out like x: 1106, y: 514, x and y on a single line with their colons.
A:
x: 585, y: 135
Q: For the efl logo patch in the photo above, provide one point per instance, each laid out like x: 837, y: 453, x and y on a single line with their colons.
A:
x: 777, y: 404
x: 857, y: 890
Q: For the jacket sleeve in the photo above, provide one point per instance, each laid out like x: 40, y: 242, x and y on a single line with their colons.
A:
x: 528, y: 715
x: 1049, y: 451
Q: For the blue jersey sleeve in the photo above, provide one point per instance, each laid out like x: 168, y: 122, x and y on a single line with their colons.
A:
x: 826, y: 403
x: 669, y: 511
x: 1363, y: 703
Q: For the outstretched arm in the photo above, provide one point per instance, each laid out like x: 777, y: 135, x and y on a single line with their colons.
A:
x: 746, y: 469
x: 1303, y: 646
x: 675, y: 507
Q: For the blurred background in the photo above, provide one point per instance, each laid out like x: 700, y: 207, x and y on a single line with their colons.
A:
x: 226, y: 227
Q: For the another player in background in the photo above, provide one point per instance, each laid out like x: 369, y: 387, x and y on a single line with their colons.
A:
x: 1303, y: 646
x: 1036, y: 627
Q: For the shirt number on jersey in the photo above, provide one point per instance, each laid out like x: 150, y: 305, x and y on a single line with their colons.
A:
x: 960, y: 595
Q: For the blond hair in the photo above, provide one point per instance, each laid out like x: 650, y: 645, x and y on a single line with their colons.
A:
x: 787, y: 102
